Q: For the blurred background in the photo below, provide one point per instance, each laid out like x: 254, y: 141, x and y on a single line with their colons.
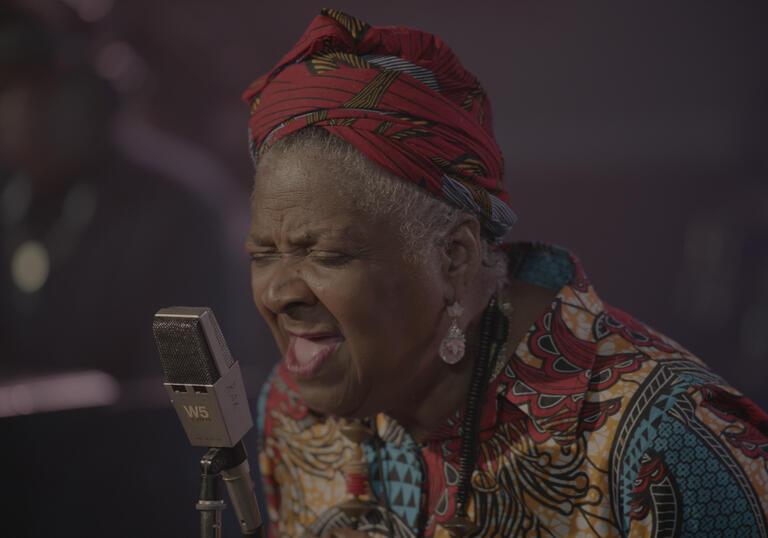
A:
x: 634, y: 134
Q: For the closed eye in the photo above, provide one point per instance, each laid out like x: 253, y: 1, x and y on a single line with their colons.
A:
x: 262, y: 258
x: 330, y: 258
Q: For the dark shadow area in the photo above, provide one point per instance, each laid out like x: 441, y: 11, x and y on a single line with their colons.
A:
x: 103, y: 472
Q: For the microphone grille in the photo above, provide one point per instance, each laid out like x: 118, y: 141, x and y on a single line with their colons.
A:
x: 184, y: 351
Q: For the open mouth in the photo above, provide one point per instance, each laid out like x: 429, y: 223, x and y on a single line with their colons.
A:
x: 307, y: 353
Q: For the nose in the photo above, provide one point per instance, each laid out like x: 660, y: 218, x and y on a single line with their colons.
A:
x: 286, y: 289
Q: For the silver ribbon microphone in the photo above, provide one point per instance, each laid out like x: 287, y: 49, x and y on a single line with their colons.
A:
x: 206, y: 388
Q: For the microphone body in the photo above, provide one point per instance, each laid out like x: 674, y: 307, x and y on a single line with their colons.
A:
x: 206, y: 388
x: 203, y: 381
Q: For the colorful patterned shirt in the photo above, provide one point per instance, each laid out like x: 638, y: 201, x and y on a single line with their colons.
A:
x: 594, y: 425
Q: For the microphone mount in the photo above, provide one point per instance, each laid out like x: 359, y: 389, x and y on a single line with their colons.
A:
x: 231, y: 465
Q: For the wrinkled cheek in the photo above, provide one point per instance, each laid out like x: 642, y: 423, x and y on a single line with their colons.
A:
x: 258, y: 287
x: 368, y: 366
x: 269, y: 318
x: 353, y: 386
x: 255, y: 288
x: 277, y: 337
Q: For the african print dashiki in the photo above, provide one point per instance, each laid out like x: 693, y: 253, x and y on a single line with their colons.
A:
x: 595, y: 426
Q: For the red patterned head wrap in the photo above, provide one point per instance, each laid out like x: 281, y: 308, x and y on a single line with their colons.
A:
x: 399, y: 96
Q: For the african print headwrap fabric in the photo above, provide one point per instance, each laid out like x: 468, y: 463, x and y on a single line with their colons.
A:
x: 595, y: 425
x: 399, y: 96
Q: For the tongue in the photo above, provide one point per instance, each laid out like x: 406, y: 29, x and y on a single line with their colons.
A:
x: 305, y: 350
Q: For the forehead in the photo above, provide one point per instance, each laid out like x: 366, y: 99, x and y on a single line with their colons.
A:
x: 306, y: 192
x: 280, y: 171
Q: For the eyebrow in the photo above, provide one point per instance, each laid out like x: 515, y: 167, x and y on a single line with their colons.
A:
x: 256, y: 241
x: 305, y: 239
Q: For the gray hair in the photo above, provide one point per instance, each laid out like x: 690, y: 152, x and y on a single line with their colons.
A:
x: 425, y: 220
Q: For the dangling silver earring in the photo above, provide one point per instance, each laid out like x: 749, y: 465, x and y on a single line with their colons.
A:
x: 452, y: 345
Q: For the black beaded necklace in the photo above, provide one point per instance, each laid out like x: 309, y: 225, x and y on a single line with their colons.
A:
x: 493, y: 335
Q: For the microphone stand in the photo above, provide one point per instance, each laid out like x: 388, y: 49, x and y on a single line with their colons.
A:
x: 231, y: 464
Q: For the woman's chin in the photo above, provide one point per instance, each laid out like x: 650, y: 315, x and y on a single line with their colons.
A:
x: 331, y: 401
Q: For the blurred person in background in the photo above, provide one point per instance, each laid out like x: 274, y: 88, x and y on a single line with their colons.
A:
x: 104, y: 219
x: 92, y: 244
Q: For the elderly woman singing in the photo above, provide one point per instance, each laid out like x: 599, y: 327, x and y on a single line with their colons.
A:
x: 437, y: 381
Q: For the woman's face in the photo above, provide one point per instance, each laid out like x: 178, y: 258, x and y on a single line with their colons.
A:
x: 353, y: 321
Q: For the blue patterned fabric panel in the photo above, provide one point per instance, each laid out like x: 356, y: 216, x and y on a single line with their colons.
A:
x: 547, y: 267
x: 403, y: 475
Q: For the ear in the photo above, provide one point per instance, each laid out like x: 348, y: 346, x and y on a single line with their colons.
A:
x: 462, y: 257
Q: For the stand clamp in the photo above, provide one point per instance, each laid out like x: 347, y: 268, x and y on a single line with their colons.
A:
x: 231, y: 464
